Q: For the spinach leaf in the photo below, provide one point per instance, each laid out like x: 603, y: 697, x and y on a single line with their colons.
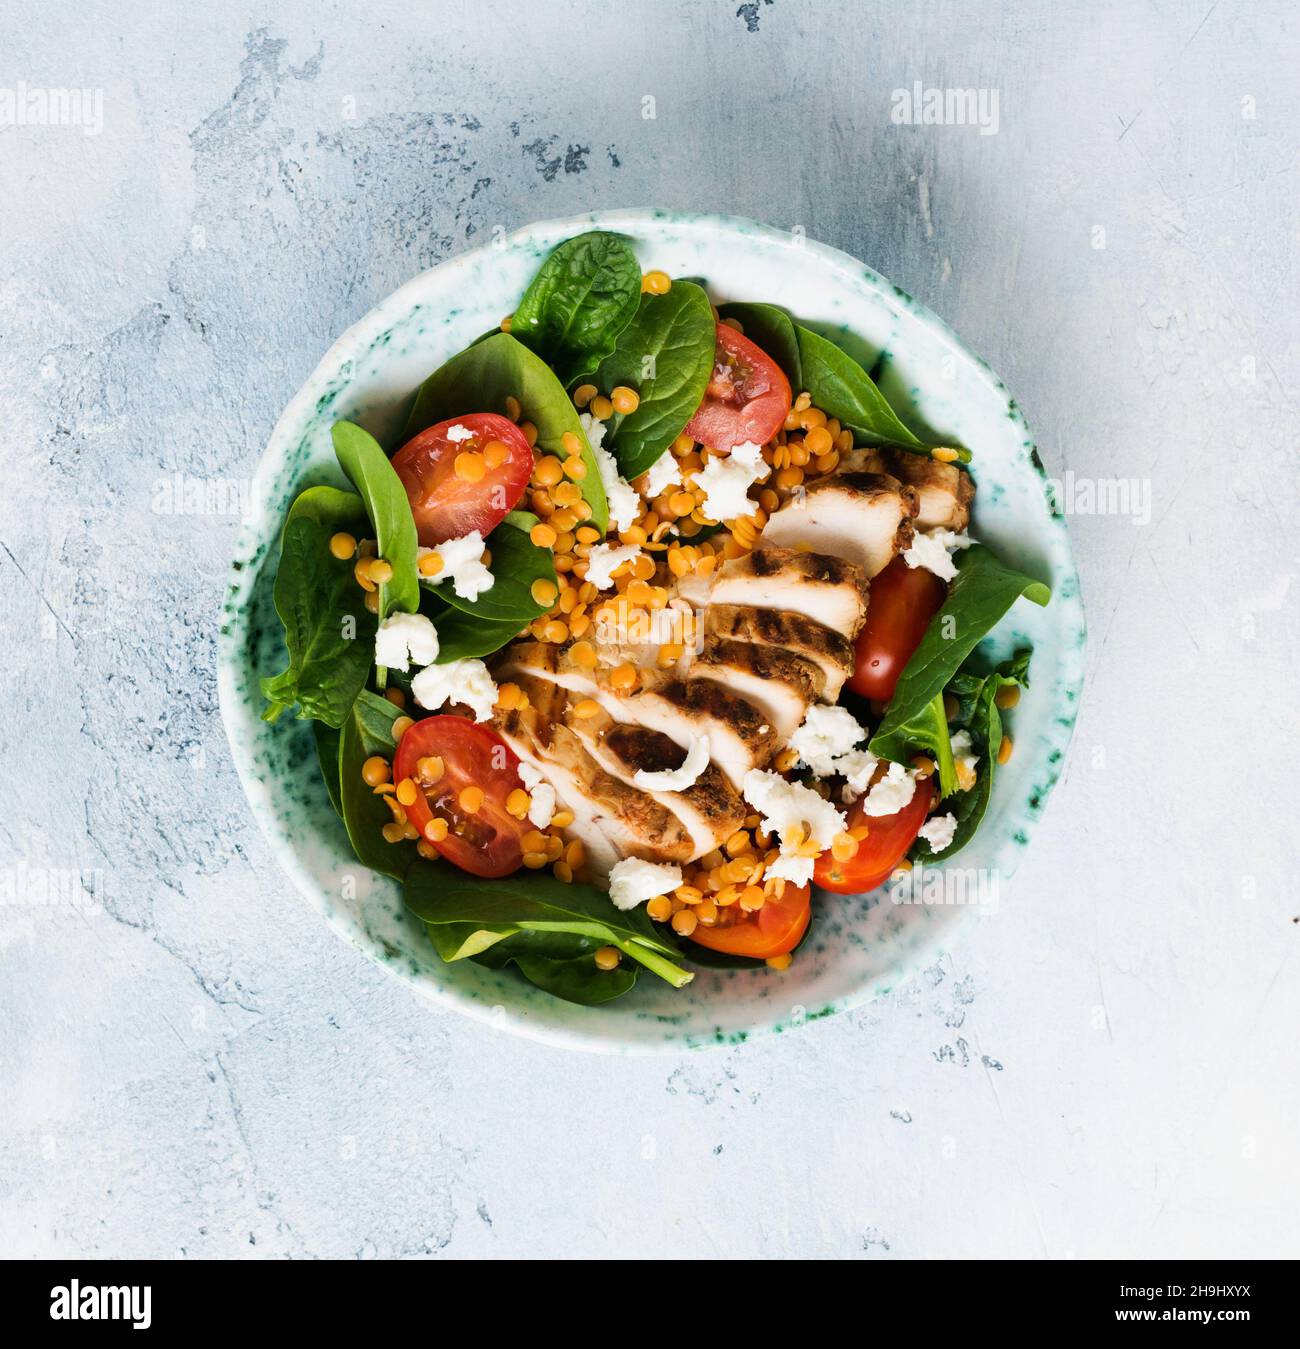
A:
x: 365, y: 462
x: 327, y: 755
x: 843, y: 389
x: 771, y: 328
x: 666, y: 354
x: 517, y: 562
x: 369, y: 730
x: 926, y: 729
x: 561, y: 963
x: 977, y: 712
x: 340, y: 511
x: 584, y: 295
x: 327, y: 628
x: 983, y: 591
x: 463, y: 636
x: 483, y: 377
x: 537, y: 903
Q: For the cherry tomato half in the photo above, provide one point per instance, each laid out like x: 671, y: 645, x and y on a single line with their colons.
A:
x: 902, y: 602
x: 747, y: 399
x: 773, y: 930
x: 449, y: 502
x: 881, y: 851
x: 487, y: 842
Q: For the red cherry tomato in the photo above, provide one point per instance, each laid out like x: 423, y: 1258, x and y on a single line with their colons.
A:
x: 486, y: 842
x: 773, y: 930
x: 747, y: 399
x: 881, y: 851
x: 448, y: 504
x: 903, y: 600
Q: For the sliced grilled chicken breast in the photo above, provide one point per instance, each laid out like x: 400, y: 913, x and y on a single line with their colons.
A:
x: 863, y: 517
x: 779, y: 683
x: 944, y: 492
x: 710, y: 810
x: 788, y: 631
x: 630, y: 820
x: 828, y: 590
x: 740, y: 736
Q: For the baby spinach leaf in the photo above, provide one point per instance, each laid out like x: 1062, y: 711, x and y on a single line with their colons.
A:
x: 332, y: 507
x: 536, y: 903
x: 983, y: 591
x: 517, y: 562
x: 843, y: 389
x: 328, y: 630
x: 483, y: 377
x: 666, y: 354
x: 977, y: 713
x: 389, y: 508
x: 368, y: 730
x: 579, y: 302
x: 327, y: 755
x: 926, y: 729
x: 463, y: 636
x: 771, y: 328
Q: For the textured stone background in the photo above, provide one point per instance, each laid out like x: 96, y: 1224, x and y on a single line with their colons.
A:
x: 1108, y: 1066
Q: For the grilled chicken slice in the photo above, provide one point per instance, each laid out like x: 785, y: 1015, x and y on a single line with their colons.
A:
x: 828, y: 590
x: 779, y: 683
x: 631, y: 822
x: 792, y: 632
x: 740, y: 736
x: 711, y: 809
x: 944, y: 492
x: 863, y: 517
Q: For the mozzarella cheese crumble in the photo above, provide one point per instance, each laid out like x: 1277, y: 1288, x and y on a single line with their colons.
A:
x: 462, y: 565
x: 964, y: 759
x: 679, y: 778
x: 726, y: 481
x: 827, y: 735
x: 938, y: 831
x: 632, y: 881
x: 665, y: 472
x: 605, y: 559
x: 624, y: 504
x: 405, y: 638
x: 857, y: 768
x: 459, y: 681
x: 458, y: 433
x: 542, y: 808
x: 934, y: 550
x: 796, y: 815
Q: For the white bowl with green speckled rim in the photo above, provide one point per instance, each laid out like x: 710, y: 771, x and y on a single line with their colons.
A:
x: 859, y: 947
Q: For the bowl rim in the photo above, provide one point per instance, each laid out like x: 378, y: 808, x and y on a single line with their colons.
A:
x: 355, y: 339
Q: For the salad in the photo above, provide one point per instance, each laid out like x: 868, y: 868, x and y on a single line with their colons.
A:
x: 655, y: 631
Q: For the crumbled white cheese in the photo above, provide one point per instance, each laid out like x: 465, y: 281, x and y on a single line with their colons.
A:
x: 964, y: 759
x: 405, y: 638
x: 796, y: 870
x: 665, y: 472
x: 934, y: 550
x: 892, y: 792
x: 541, y: 810
x: 938, y: 831
x: 726, y: 481
x: 458, y: 433
x: 624, y: 504
x: 459, y: 681
x: 791, y: 811
x: 462, y: 565
x: 857, y: 768
x: 677, y: 779
x: 605, y: 559
x: 827, y: 734
x: 632, y: 881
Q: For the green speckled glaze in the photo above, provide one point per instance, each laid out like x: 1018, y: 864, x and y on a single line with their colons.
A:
x: 861, y: 946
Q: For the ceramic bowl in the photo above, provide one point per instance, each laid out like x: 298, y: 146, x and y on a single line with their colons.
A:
x: 859, y: 947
